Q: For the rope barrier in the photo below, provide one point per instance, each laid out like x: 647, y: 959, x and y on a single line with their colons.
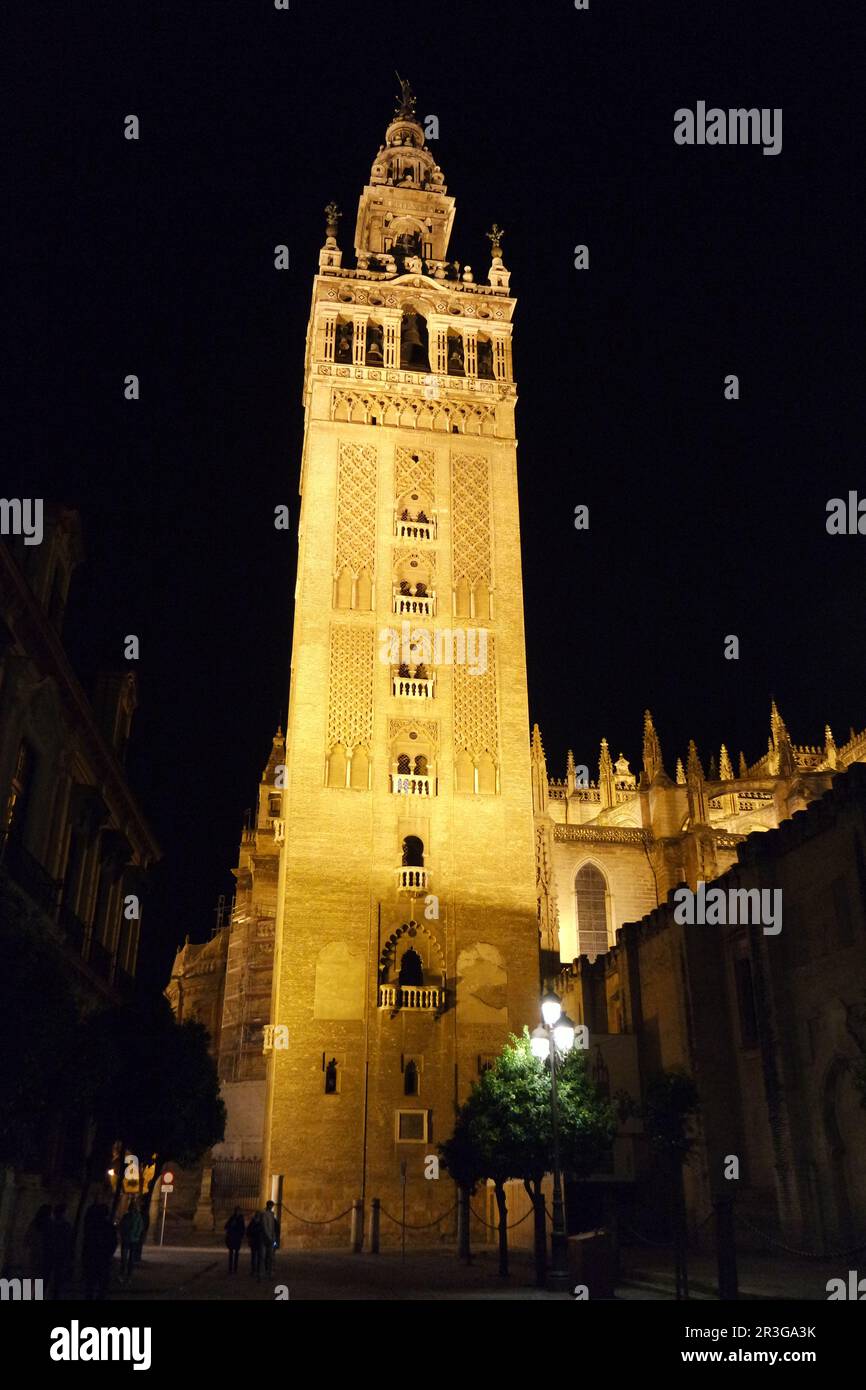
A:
x: 308, y: 1222
x: 803, y: 1254
x: 510, y: 1227
x: 425, y: 1226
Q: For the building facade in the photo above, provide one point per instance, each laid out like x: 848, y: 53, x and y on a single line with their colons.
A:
x: 771, y: 1024
x: 74, y: 843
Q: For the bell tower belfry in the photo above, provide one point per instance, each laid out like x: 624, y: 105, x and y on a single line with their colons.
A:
x: 407, y: 936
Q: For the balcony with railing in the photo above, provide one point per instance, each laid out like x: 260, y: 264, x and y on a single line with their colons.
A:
x: 419, y: 528
x: 410, y: 996
x: 412, y: 783
x: 406, y: 687
x: 412, y: 878
x: 415, y: 605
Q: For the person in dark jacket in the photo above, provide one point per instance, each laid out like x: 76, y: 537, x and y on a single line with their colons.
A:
x: 234, y: 1229
x: 131, y: 1230
x: 97, y: 1252
x: 256, y: 1242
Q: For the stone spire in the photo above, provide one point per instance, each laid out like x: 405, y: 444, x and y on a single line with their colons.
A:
x: 330, y: 254
x: 569, y: 772
x: 726, y: 772
x: 744, y: 766
x: 276, y: 757
x: 783, y: 753
x: 605, y: 775
x: 538, y: 771
x: 681, y: 773
x: 652, y: 750
x: 830, y: 751
x: 404, y: 214
x: 695, y: 783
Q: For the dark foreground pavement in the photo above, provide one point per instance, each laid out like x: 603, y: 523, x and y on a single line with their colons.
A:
x: 188, y: 1273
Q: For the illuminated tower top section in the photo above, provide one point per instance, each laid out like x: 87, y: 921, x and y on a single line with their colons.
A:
x: 404, y: 209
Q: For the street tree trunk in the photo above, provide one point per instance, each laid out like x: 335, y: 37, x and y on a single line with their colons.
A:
x: 502, y: 1208
x: 536, y: 1197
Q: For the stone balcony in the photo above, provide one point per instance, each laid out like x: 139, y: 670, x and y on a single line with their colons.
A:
x: 412, y: 688
x: 414, y: 530
x: 412, y: 784
x: 409, y: 996
x: 415, y: 605
x: 412, y: 878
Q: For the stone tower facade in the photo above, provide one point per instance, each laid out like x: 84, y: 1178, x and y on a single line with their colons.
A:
x: 407, y: 943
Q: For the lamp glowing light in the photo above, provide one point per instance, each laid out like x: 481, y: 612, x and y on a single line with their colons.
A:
x: 551, y: 1008
x: 563, y: 1033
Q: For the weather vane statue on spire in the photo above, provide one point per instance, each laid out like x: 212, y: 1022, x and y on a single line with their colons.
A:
x: 495, y: 236
x: 407, y: 101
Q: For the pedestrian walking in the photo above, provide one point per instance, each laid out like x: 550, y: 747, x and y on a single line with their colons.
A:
x: 256, y: 1242
x: 269, y: 1226
x: 234, y: 1229
x: 97, y: 1251
x: 59, y: 1251
x: 131, y: 1228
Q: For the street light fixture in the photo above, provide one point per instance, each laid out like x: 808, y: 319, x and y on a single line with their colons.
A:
x: 551, y: 1008
x: 563, y: 1034
x: 555, y: 1036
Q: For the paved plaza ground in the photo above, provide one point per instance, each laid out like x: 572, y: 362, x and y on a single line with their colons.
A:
x: 194, y: 1272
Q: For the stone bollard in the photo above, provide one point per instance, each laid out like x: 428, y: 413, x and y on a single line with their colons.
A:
x: 357, y: 1226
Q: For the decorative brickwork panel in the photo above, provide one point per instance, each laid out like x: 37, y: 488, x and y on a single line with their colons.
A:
x: 350, y: 704
x: 414, y: 471
x: 356, y: 509
x: 476, y: 719
x: 470, y: 519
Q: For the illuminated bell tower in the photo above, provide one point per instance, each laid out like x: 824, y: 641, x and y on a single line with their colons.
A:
x: 407, y: 933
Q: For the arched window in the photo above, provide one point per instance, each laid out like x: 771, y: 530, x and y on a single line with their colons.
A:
x: 343, y: 341
x: 413, y: 342
x: 413, y: 852
x: 410, y: 1079
x: 590, y: 892
x: 411, y: 968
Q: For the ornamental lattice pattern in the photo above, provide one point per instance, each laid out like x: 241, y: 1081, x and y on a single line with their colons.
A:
x: 470, y: 519
x: 414, y: 471
x: 350, y: 687
x: 356, y: 509
x: 476, y: 720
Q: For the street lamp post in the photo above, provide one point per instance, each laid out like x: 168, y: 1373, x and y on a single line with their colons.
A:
x: 555, y: 1035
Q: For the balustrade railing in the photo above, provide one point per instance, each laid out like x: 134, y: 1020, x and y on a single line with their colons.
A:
x: 409, y: 996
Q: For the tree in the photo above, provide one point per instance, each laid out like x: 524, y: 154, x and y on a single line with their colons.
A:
x: 150, y: 1083
x: 670, y: 1106
x: 38, y: 1019
x: 506, y: 1125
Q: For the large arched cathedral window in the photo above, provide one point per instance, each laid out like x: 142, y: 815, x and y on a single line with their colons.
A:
x: 590, y: 891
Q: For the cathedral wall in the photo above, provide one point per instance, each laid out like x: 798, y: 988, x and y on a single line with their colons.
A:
x: 629, y: 879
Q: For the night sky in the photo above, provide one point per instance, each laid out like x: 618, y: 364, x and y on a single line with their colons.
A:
x: 707, y: 517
